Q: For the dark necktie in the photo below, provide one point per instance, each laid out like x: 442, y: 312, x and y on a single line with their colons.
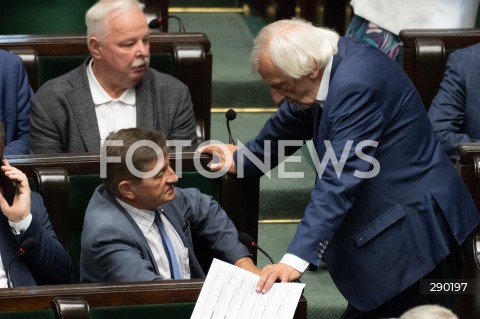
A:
x: 175, y: 272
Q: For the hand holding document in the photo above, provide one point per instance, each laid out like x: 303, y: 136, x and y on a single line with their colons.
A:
x: 229, y: 293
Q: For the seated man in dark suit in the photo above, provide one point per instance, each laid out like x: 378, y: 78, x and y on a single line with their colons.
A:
x: 138, y: 225
x: 15, y: 94
x: 454, y: 112
x: 45, y: 261
x: 113, y: 89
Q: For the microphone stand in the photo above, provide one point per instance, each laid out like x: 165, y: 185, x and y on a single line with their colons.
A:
x: 265, y: 253
x: 230, y: 116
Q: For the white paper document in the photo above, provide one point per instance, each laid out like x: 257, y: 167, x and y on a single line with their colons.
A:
x: 229, y: 293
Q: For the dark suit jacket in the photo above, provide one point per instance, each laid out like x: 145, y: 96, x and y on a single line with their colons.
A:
x: 48, y: 263
x: 15, y: 94
x: 455, y: 110
x: 114, y: 248
x: 64, y: 120
x: 381, y: 234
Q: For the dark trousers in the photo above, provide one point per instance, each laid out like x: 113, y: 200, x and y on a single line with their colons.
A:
x: 449, y: 268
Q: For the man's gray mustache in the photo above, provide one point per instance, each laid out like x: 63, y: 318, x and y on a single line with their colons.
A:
x: 140, y: 61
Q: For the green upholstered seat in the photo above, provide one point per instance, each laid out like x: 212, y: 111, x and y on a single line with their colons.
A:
x: 34, y: 314
x: 177, y: 311
x: 205, y: 185
x: 81, y: 188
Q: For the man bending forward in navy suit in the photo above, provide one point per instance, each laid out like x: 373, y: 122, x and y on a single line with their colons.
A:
x: 388, y: 209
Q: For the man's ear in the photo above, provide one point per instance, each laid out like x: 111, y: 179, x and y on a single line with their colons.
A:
x: 316, y: 73
x: 94, y: 47
x: 126, y: 190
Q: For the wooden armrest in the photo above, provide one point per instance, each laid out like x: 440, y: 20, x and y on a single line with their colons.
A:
x: 476, y: 248
x: 191, y: 64
x: 52, y: 183
x: 467, y: 151
x: 30, y: 60
x: 71, y: 308
x: 430, y: 67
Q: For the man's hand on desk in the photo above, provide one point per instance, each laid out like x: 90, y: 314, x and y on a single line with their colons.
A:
x: 247, y: 264
x: 270, y: 274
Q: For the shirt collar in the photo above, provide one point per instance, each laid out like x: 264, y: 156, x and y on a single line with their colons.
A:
x: 143, y: 217
x: 324, y: 83
x: 100, y: 96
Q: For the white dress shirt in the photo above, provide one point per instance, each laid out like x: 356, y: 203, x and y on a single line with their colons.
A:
x: 17, y: 229
x: 145, y: 219
x: 112, y: 114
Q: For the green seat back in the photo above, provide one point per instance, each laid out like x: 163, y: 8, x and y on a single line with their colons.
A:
x: 81, y: 188
x: 34, y: 314
x: 177, y: 311
x: 50, y: 67
x: 205, y: 185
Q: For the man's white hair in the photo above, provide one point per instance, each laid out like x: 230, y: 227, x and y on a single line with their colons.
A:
x: 98, y: 15
x: 295, y: 46
x: 429, y: 312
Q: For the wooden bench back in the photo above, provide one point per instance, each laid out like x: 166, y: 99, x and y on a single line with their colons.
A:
x: 425, y: 53
x: 134, y: 300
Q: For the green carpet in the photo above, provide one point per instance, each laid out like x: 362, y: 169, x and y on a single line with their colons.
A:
x: 324, y: 301
x: 234, y: 82
x: 280, y: 198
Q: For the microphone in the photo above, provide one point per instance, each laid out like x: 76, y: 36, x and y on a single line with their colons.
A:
x: 248, y: 241
x: 28, y: 245
x: 230, y: 115
x: 157, y: 23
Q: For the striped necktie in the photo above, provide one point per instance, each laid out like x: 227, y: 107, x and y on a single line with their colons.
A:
x: 175, y: 271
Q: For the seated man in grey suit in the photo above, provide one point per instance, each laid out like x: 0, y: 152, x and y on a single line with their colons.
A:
x: 113, y: 89
x: 138, y: 226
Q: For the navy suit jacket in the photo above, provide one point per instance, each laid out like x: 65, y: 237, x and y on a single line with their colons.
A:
x: 381, y: 234
x: 15, y: 94
x: 454, y: 112
x: 114, y: 248
x: 48, y: 263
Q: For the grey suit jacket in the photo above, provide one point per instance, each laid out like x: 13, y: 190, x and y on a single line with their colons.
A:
x: 114, y: 248
x: 63, y: 118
